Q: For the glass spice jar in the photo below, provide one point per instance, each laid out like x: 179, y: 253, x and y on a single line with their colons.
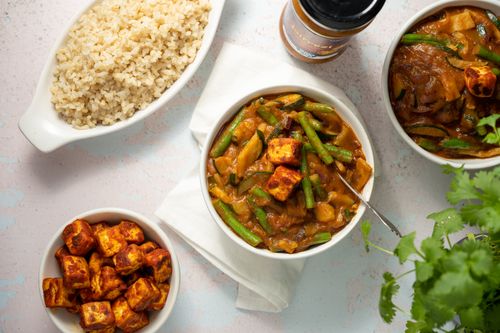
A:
x: 318, y: 30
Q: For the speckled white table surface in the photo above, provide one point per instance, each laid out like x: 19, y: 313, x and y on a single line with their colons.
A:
x: 136, y: 167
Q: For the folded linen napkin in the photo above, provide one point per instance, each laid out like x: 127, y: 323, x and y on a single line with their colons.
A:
x: 264, y: 284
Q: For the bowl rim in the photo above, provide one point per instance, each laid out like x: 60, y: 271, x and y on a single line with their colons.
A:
x: 468, y: 163
x: 307, y: 90
x: 44, y: 128
x: 163, y: 314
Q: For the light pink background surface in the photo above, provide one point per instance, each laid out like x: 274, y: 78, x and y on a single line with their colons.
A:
x: 136, y: 167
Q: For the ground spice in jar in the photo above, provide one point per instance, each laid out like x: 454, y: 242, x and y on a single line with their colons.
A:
x: 318, y: 30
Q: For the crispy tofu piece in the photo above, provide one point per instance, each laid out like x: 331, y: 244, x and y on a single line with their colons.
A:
x: 112, y: 285
x: 99, y: 226
x: 110, y: 241
x: 142, y: 294
x: 78, y: 237
x: 60, y: 253
x: 76, y: 272
x: 131, y: 278
x: 361, y: 174
x: 160, y: 302
x: 87, y: 295
x: 148, y: 247
x: 56, y: 294
x: 284, y: 151
x: 127, y: 319
x: 97, y: 316
x: 96, y: 261
x: 132, y: 232
x: 104, y: 330
x: 282, y: 182
x: 159, y: 262
x: 129, y: 260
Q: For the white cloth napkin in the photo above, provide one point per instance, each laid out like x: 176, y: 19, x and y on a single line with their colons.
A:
x: 264, y: 284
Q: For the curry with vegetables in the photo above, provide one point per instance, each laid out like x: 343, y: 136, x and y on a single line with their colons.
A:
x: 272, y: 173
x: 444, y: 85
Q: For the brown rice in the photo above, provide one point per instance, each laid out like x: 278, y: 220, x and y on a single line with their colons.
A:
x: 122, y: 54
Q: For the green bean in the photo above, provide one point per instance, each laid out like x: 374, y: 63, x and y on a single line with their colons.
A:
x: 340, y: 154
x: 224, y: 140
x: 316, y: 124
x: 488, y: 55
x: 260, y: 214
x: 265, y: 114
x: 297, y: 136
x: 318, y: 188
x: 314, y: 139
x: 260, y: 193
x: 275, y: 132
x: 306, y: 182
x: 317, y: 107
x: 228, y: 216
x: 321, y: 237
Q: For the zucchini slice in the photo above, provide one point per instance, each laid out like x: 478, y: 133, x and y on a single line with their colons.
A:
x: 256, y: 178
x: 454, y: 143
x: 427, y: 144
x: 427, y: 130
x: 291, y: 101
x: 463, y: 64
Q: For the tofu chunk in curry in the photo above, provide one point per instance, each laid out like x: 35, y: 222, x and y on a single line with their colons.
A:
x: 272, y: 172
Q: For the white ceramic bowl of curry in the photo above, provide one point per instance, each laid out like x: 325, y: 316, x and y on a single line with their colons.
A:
x: 347, y: 116
x: 467, y: 163
x: 69, y: 322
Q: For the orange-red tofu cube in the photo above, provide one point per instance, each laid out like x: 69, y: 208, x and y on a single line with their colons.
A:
x: 142, y: 294
x: 60, y: 253
x: 132, y: 232
x: 87, y: 294
x: 56, y: 295
x: 99, y: 226
x: 104, y: 330
x: 76, y: 272
x: 284, y: 151
x: 160, y: 302
x: 97, y: 316
x: 148, y: 247
x: 128, y: 260
x: 480, y: 80
x: 112, y: 285
x: 127, y: 319
x: 96, y: 261
x: 282, y: 182
x: 78, y: 237
x: 159, y: 262
x: 131, y: 278
x: 110, y: 241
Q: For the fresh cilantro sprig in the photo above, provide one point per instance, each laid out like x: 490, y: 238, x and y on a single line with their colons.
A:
x: 458, y: 280
x: 492, y: 137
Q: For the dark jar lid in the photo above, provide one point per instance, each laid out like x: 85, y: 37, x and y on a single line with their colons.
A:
x: 342, y: 14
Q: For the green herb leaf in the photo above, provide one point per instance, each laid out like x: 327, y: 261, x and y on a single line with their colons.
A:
x: 454, y: 143
x: 447, y: 222
x: 416, y: 327
x: 365, y: 231
x: 462, y: 187
x: 433, y: 249
x: 494, y: 136
x: 405, y: 247
x: 491, y: 317
x: 472, y: 317
x: 389, y: 289
x: 457, y: 289
x: 423, y: 271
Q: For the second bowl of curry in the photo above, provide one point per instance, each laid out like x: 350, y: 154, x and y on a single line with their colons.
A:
x: 269, y: 171
x: 440, y: 83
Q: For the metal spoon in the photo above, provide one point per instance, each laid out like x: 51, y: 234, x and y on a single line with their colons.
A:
x: 382, y: 218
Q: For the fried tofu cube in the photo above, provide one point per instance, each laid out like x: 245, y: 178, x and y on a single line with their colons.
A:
x: 76, y: 272
x: 96, y: 261
x: 112, y: 285
x: 60, y: 253
x: 87, y: 295
x: 160, y: 302
x: 480, y: 80
x: 104, y: 330
x: 132, y: 232
x: 131, y: 278
x: 128, y: 260
x: 99, y: 226
x: 281, y: 184
x: 97, y: 316
x: 142, y: 294
x: 159, y: 262
x: 110, y: 241
x: 127, y: 319
x: 148, y: 247
x: 78, y: 237
x: 284, y: 151
x: 56, y: 295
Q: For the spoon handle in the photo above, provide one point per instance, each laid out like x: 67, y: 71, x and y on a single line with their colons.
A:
x: 381, y: 217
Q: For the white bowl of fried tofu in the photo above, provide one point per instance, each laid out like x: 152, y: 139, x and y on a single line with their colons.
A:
x: 109, y: 270
x: 342, y: 107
